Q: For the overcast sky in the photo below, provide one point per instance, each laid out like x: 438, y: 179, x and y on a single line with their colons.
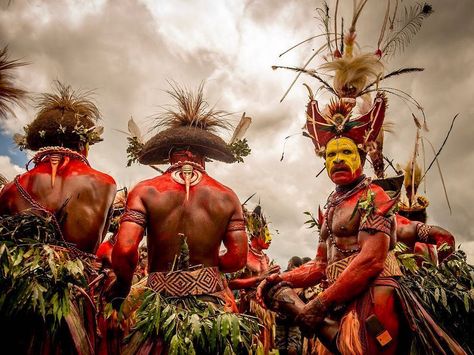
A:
x: 126, y: 50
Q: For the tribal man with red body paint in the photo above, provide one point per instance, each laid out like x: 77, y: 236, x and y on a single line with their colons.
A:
x: 258, y: 267
x: 358, y: 312
x: 187, y: 215
x: 69, y: 203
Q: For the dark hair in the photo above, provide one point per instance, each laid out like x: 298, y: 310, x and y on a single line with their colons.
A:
x: 295, y: 261
x: 306, y: 259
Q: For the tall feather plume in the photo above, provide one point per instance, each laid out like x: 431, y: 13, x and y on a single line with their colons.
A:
x: 9, y: 93
x: 412, y: 176
x: 354, y: 71
x: 191, y: 110
x: 68, y: 100
x: 406, y: 28
x: 323, y: 15
x: 384, y: 25
x: 241, y: 128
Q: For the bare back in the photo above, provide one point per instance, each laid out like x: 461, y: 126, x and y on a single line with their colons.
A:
x: 203, y: 219
x: 80, y: 199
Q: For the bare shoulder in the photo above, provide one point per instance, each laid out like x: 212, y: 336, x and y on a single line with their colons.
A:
x: 379, y: 194
x: 98, y: 181
x: 212, y: 183
x: 102, y: 177
x: 146, y: 186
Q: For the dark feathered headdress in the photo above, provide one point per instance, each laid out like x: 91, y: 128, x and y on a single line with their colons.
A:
x: 65, y: 118
x: 190, y: 123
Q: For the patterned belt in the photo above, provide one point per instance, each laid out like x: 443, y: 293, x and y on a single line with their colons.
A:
x: 205, y: 280
x: 390, y: 268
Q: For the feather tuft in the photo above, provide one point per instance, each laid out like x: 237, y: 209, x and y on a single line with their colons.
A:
x: 66, y: 99
x: 351, y: 74
x: 191, y: 110
x: 9, y: 93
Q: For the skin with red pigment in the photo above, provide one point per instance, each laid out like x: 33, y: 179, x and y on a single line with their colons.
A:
x: 86, y: 194
x: 407, y: 234
x: 257, y: 267
x: 203, y: 219
x: 358, y: 276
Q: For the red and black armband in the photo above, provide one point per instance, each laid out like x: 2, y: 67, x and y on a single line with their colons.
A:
x: 134, y: 216
x: 423, y: 232
x: 236, y: 225
x: 375, y: 223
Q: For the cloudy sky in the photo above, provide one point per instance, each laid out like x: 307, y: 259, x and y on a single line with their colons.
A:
x: 127, y: 50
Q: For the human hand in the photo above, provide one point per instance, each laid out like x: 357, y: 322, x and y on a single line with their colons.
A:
x: 312, y: 315
x: 274, y: 269
x: 263, y: 287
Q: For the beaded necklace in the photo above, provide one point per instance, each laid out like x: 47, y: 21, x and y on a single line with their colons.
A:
x: 334, y: 200
x: 52, y: 151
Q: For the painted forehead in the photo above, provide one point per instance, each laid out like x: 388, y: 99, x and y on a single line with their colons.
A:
x: 340, y: 143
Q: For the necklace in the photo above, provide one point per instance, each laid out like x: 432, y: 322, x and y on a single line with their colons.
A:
x: 180, y: 164
x: 331, y: 236
x: 55, y: 153
x: 189, y: 174
x: 333, y: 201
x: 335, y: 198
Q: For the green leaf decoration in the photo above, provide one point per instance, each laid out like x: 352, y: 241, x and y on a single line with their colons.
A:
x: 40, y: 276
x: 133, y: 150
x: 191, y: 326
x: 446, y: 290
x: 240, y: 149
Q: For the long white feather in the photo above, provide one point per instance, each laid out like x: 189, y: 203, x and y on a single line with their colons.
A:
x: 241, y: 128
x: 134, y: 130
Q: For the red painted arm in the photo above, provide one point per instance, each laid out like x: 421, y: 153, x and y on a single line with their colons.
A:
x: 125, y: 251
x: 311, y: 273
x: 237, y: 284
x: 235, y: 241
x: 439, y: 236
x: 361, y: 271
x: 235, y: 257
x: 104, y: 253
x: 407, y: 233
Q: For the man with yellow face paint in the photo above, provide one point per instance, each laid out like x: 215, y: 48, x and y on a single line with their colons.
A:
x: 343, y: 162
x: 357, y: 311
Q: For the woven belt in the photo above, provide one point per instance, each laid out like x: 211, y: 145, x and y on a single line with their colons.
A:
x: 390, y: 268
x: 206, y: 280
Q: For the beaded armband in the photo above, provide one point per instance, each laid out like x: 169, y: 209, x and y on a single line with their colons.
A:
x: 423, y: 232
x: 375, y: 223
x: 134, y: 217
x: 236, y: 225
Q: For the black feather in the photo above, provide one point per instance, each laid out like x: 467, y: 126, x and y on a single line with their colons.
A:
x: 310, y: 73
x: 389, y: 75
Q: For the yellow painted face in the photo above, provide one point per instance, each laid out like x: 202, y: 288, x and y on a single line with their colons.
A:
x: 268, y: 236
x: 343, y: 162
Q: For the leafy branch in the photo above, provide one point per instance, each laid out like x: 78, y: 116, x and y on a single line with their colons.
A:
x: 240, y: 149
